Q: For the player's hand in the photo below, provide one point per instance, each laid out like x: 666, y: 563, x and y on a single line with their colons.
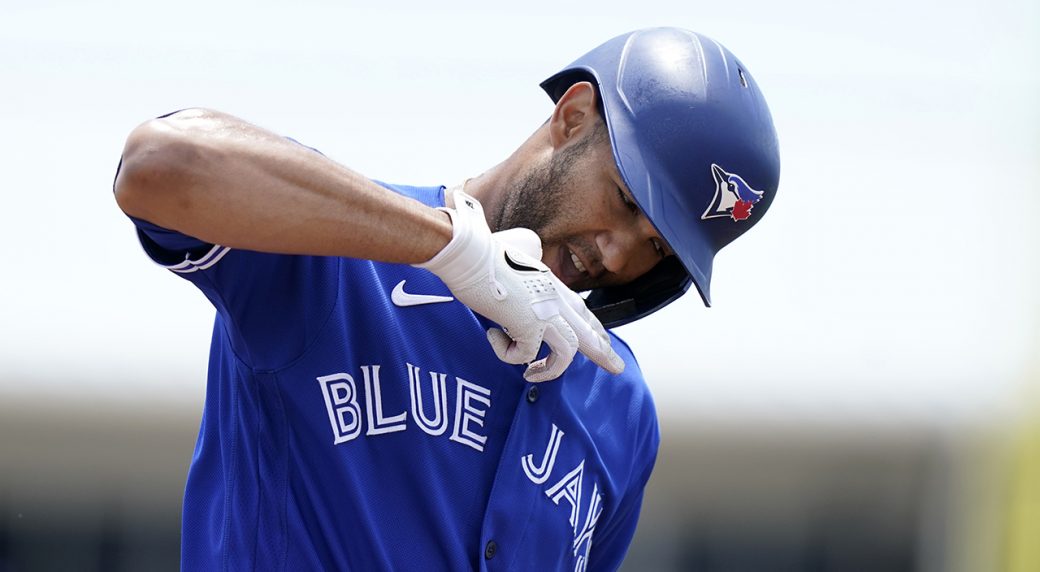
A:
x: 501, y: 277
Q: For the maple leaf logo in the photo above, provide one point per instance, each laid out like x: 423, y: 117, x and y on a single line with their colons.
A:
x: 741, y: 210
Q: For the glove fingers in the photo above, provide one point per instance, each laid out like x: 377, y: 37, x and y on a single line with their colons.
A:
x: 538, y: 371
x: 593, y: 339
x: 512, y: 351
x: 563, y: 344
x: 596, y: 346
x: 603, y: 356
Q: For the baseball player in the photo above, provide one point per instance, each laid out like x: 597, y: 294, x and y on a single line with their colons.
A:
x: 379, y: 393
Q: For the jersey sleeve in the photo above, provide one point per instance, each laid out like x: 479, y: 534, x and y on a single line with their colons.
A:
x: 271, y: 305
x: 176, y: 252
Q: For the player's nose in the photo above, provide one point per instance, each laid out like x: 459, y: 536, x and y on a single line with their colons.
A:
x: 628, y: 251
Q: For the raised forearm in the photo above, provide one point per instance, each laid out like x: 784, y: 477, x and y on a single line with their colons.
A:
x: 225, y: 181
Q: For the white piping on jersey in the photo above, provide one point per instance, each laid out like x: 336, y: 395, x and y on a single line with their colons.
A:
x: 209, y: 259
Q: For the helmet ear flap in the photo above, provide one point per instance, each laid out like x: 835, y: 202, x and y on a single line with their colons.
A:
x: 618, y: 305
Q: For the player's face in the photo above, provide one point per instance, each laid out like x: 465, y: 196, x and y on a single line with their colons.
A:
x: 593, y: 234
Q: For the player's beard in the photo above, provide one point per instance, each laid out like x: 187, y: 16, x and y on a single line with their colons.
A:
x: 536, y: 199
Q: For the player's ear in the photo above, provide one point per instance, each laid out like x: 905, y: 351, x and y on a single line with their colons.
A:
x: 575, y: 113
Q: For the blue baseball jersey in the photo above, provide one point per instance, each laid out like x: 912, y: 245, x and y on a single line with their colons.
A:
x: 346, y: 428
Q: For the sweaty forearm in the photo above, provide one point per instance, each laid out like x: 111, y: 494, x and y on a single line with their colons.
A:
x: 224, y: 181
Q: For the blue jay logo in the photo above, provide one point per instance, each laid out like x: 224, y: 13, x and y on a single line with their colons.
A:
x: 733, y: 196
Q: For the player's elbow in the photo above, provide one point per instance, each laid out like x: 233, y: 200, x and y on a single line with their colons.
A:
x: 156, y: 165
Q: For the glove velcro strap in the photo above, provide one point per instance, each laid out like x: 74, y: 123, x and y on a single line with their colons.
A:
x: 467, y: 255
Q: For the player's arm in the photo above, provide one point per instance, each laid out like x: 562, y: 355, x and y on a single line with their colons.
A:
x: 219, y: 179
x: 224, y: 181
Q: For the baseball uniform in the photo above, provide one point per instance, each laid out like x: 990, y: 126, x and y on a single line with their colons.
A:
x: 351, y: 427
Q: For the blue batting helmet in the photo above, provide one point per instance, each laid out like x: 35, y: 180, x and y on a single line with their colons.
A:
x: 694, y: 141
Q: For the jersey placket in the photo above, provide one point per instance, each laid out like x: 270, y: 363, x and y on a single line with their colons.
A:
x: 514, y: 498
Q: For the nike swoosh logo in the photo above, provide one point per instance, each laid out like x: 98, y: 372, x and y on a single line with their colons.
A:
x: 519, y: 266
x: 404, y: 299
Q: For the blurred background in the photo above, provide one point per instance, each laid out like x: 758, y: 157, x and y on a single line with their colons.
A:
x: 865, y: 394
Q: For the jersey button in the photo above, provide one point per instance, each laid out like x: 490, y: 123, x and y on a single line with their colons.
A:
x: 490, y: 550
x: 532, y: 394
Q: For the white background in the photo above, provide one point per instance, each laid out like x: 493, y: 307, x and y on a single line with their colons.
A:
x: 895, y: 278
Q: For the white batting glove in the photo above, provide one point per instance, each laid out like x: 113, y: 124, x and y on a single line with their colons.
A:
x: 501, y: 276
